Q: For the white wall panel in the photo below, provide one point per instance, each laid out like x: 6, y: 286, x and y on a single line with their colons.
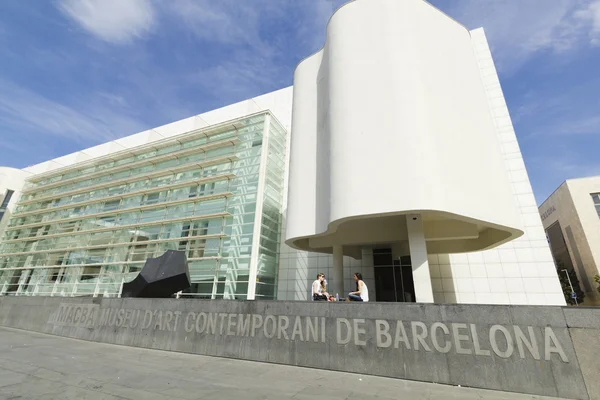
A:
x: 393, y: 118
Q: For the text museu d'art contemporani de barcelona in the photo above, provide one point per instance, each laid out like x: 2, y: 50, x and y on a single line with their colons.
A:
x: 442, y: 337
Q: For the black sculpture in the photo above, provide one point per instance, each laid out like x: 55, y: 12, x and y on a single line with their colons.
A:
x: 160, y: 277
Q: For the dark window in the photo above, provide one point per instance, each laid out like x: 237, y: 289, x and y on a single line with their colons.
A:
x: 111, y: 205
x: 108, y: 220
x: 5, y: 202
x: 6, y: 199
x: 152, y: 198
x: 90, y: 272
x: 596, y: 198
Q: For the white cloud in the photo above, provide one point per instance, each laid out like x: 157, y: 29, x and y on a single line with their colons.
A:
x: 312, y: 30
x: 258, y: 37
x: 242, y: 77
x: 559, y: 110
x: 22, y: 111
x: 223, y: 21
x: 591, y: 14
x: 573, y: 125
x: 255, y: 38
x: 249, y: 22
x: 115, y: 21
x: 517, y: 30
x: 548, y: 172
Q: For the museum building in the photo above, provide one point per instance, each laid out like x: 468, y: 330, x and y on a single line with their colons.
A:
x: 392, y: 155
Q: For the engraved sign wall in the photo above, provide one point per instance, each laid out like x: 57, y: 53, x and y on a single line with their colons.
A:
x: 459, y: 338
x: 521, y: 349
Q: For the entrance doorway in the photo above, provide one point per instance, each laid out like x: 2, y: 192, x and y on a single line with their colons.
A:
x: 393, y: 278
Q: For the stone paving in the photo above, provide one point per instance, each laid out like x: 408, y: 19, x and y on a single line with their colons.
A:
x: 38, y: 366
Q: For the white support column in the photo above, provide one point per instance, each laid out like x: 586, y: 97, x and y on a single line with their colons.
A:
x: 22, y: 281
x: 338, y: 272
x: 418, y: 257
x: 260, y: 193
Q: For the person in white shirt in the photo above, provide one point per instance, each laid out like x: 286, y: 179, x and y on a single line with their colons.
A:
x: 362, y: 292
x: 319, y: 289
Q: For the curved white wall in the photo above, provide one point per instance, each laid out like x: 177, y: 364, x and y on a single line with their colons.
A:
x: 391, y: 117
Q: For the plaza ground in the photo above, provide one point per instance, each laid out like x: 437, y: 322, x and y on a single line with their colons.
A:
x: 38, y: 366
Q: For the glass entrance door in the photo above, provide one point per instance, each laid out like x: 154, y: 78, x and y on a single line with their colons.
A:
x: 393, y: 278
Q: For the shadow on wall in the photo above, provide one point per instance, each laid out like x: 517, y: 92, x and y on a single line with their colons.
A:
x: 322, y: 170
x: 296, y: 266
x: 442, y: 279
x: 300, y: 275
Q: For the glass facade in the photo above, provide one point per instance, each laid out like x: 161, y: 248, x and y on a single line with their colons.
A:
x: 215, y: 193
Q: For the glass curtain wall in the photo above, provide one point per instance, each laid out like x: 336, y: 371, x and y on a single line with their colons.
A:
x: 89, y: 229
x: 271, y: 217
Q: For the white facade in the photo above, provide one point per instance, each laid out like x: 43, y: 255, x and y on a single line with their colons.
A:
x: 413, y: 108
x: 571, y: 217
x: 518, y: 272
x: 491, y: 206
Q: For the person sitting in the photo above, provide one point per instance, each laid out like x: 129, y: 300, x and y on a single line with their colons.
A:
x: 362, y: 292
x: 318, y: 288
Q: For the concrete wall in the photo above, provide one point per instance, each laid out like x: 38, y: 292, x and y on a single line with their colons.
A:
x: 549, y: 351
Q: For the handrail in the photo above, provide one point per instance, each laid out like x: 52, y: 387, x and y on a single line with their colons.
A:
x: 121, y: 227
x: 110, y: 245
x: 209, y: 130
x: 101, y: 264
x: 119, y: 211
x: 147, y: 161
x: 210, y: 179
x: 135, y: 178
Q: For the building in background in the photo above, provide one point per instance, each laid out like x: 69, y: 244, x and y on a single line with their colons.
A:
x: 216, y: 184
x: 571, y: 218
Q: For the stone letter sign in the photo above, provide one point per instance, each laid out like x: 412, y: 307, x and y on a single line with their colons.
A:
x: 520, y: 349
x: 76, y: 315
x: 440, y: 337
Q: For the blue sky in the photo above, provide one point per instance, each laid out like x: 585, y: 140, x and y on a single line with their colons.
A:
x: 76, y: 73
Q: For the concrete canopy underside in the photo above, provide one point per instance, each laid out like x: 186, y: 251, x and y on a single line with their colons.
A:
x: 444, y: 233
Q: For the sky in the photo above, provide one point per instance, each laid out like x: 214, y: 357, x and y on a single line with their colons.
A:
x: 77, y: 73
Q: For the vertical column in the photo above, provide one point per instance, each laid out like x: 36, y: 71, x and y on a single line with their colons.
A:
x: 338, y: 271
x: 260, y: 195
x: 22, y: 281
x: 418, y: 257
x: 59, y: 277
